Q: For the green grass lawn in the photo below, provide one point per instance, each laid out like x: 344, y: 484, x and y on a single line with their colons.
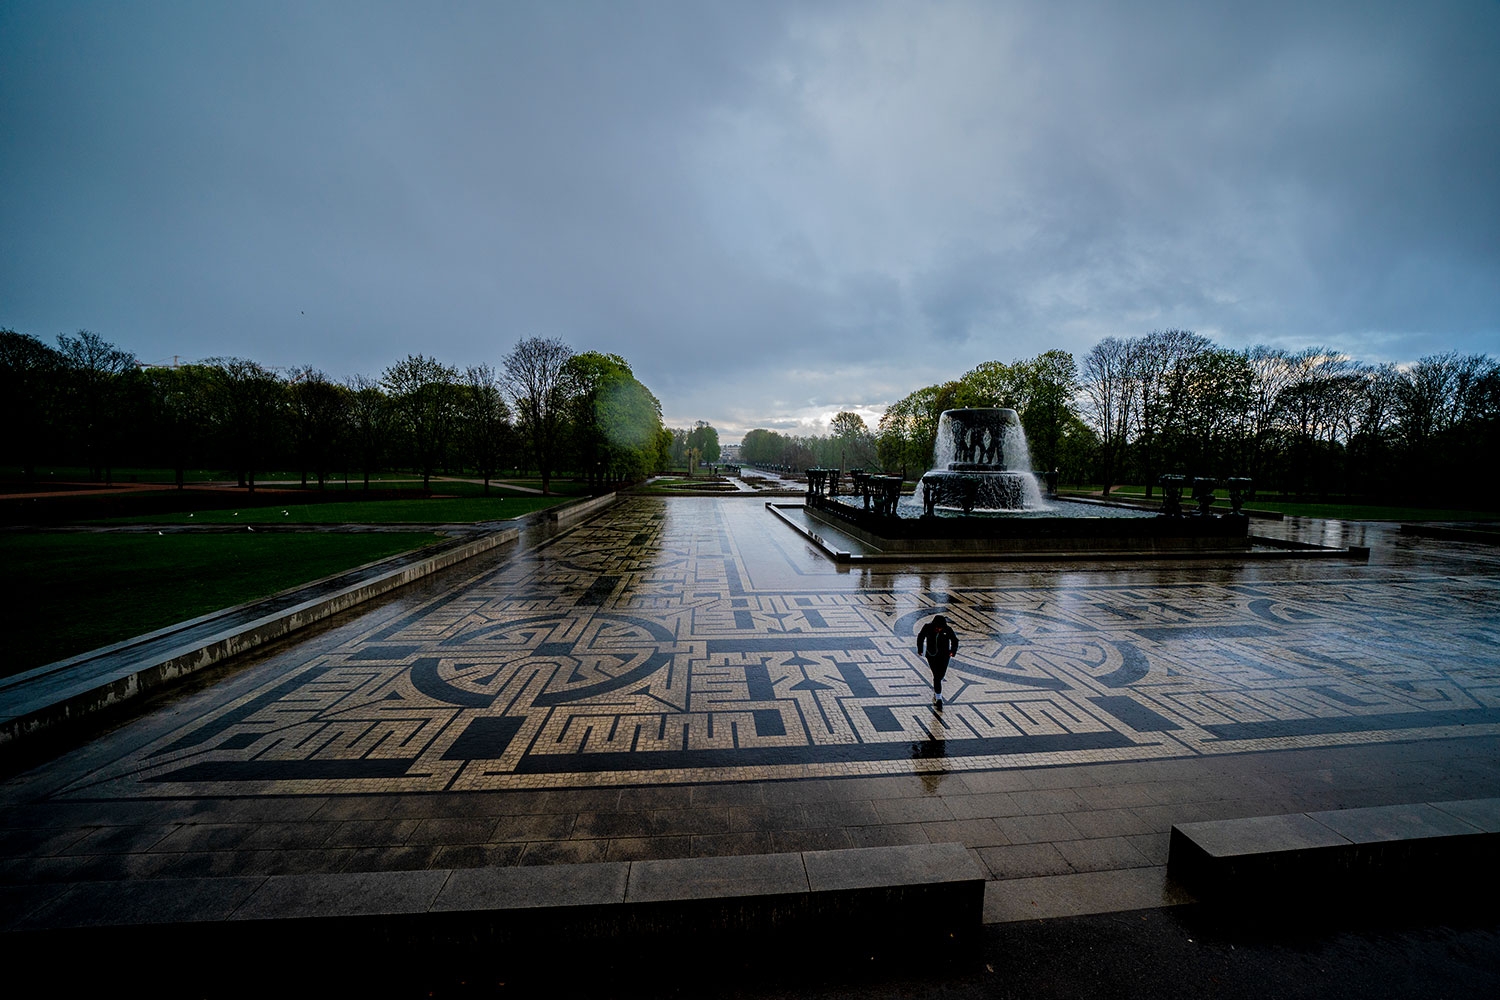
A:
x: 438, y: 510
x: 1331, y: 511
x: 72, y: 593
x: 48, y: 477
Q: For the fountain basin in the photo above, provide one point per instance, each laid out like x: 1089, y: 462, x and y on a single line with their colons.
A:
x: 1062, y: 527
x: 969, y: 491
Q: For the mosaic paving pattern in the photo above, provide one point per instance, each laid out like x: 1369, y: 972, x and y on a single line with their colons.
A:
x: 681, y: 640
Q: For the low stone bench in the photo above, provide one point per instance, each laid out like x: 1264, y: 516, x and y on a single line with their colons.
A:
x: 895, y: 907
x: 1426, y: 848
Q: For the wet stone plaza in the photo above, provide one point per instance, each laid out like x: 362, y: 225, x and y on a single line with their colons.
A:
x: 688, y: 677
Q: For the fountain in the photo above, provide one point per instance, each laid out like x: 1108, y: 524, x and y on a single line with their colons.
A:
x: 981, y: 463
x: 982, y: 501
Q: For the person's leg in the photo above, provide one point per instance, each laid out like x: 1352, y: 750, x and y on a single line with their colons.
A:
x: 939, y: 668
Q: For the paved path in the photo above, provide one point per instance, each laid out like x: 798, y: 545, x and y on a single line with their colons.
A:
x: 686, y: 676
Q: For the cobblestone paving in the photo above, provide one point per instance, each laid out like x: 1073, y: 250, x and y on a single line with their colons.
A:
x: 686, y: 676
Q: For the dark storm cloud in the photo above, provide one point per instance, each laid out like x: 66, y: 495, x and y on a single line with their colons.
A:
x: 774, y: 212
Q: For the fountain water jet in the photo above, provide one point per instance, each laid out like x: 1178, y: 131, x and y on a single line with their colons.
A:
x: 980, y: 463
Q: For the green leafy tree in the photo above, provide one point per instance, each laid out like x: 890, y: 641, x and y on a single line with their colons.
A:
x: 908, y: 430
x: 992, y: 383
x: 423, y: 395
x: 630, y: 415
x: 663, y: 460
x: 853, y: 440
x: 703, y: 439
x: 760, y: 447
x: 615, y: 419
x: 1050, y: 384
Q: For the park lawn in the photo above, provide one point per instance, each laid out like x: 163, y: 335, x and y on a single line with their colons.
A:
x: 436, y: 510
x: 1330, y: 511
x: 73, y: 593
x: 48, y: 477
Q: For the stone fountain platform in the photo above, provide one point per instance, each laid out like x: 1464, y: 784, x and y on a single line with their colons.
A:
x: 846, y: 533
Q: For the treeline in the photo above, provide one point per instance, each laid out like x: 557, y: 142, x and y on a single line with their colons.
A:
x: 87, y: 402
x: 849, y: 445
x: 1313, y: 423
x: 693, y: 446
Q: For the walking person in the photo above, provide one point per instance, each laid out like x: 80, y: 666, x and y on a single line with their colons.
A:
x: 940, y: 643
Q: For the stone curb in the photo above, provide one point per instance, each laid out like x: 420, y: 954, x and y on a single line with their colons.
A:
x: 65, y: 692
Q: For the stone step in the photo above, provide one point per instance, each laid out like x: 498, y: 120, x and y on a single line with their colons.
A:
x: 910, y: 906
x: 1419, y: 848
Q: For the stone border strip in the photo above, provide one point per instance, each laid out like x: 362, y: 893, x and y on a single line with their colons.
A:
x: 1155, y: 506
x: 569, y: 512
x: 61, y: 693
x: 1281, y: 549
x: 1378, y: 849
x: 1445, y: 533
x: 921, y: 904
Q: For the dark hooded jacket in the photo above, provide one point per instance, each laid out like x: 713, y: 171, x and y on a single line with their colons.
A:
x: 939, y: 641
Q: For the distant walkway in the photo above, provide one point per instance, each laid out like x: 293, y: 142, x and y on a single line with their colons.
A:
x: 493, y: 482
x: 85, y: 489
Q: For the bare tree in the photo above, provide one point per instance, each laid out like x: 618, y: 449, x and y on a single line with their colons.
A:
x: 1109, y: 385
x: 180, y: 401
x: 537, y: 384
x: 249, y: 400
x: 1271, y: 372
x: 96, y: 370
x: 1160, y: 356
x: 369, y: 418
x: 486, y: 421
x: 318, y: 410
x: 29, y: 377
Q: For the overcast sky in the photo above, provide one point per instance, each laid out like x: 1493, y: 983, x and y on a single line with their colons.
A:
x: 773, y: 211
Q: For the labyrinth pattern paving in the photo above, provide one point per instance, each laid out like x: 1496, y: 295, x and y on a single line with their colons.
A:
x: 674, y: 641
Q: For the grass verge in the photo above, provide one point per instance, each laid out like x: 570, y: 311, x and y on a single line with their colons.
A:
x: 75, y: 593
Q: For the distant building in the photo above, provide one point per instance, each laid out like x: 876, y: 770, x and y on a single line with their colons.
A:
x: 729, y: 453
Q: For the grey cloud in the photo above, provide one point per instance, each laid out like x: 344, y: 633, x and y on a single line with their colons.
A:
x: 761, y: 206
